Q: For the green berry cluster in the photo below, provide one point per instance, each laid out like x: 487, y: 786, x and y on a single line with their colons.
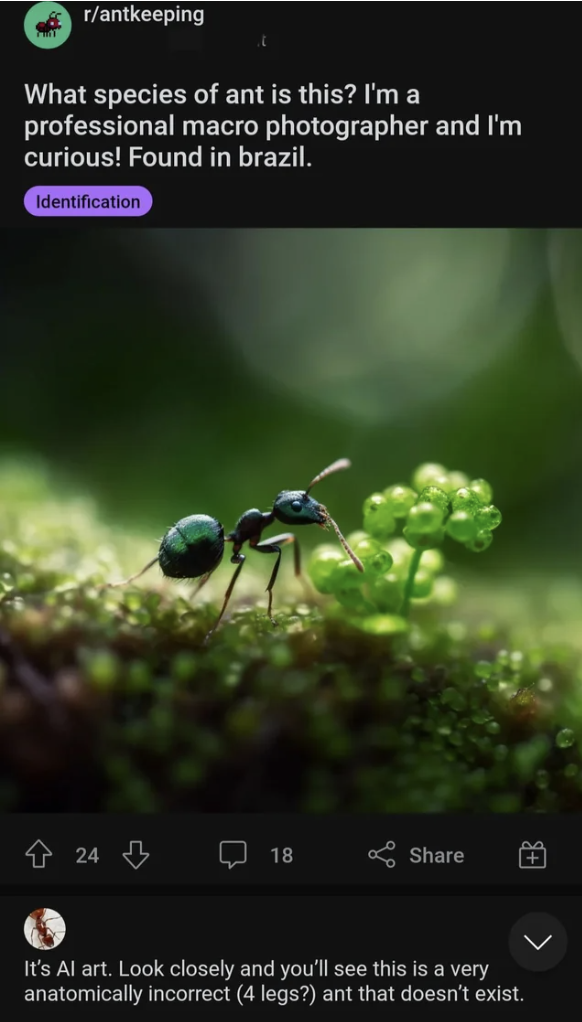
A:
x: 449, y: 503
x: 403, y: 528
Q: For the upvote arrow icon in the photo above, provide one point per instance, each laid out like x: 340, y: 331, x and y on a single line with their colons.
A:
x: 38, y: 853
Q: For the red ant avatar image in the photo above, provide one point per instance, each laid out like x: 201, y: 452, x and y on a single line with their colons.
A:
x: 50, y: 26
x: 40, y: 934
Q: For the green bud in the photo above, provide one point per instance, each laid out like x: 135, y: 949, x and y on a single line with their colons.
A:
x: 489, y: 517
x: 427, y: 474
x: 482, y: 541
x: 357, y: 537
x: 322, y: 567
x: 434, y: 495
x: 373, y: 556
x: 401, y: 553
x: 373, y: 503
x: 462, y: 527
x: 441, y: 482
x: 347, y: 576
x: 425, y: 517
x: 388, y: 593
x: 401, y: 499
x: 456, y: 481
x: 354, y: 599
x: 433, y: 561
x: 465, y: 500
x: 482, y: 489
x: 379, y: 520
x: 424, y: 540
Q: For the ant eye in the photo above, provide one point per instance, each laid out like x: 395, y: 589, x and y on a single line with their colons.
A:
x: 296, y: 505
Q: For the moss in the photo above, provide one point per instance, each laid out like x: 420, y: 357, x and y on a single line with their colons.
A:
x: 109, y: 701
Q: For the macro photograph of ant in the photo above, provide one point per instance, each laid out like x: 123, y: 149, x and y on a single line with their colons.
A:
x: 194, y: 547
x: 414, y: 397
x: 50, y: 27
x: 44, y: 929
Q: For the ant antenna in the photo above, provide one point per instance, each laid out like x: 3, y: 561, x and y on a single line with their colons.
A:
x: 345, y: 543
x: 337, y: 466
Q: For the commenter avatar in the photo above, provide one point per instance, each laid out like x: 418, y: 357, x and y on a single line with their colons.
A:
x: 44, y: 929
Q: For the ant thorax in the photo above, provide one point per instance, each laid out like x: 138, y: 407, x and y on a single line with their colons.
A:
x: 250, y: 525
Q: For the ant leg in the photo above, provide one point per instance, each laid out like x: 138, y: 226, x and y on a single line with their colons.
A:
x: 267, y: 547
x: 132, y: 578
x: 271, y: 546
x: 235, y: 559
x: 282, y: 540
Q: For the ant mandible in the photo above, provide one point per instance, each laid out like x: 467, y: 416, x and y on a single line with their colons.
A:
x: 194, y: 547
x: 45, y: 935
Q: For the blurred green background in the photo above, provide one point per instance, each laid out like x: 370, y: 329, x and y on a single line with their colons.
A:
x: 165, y: 373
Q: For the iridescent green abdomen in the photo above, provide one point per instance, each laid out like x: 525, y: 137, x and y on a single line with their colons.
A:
x: 192, y: 548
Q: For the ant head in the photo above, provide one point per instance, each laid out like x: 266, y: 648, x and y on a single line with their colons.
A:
x: 296, y: 507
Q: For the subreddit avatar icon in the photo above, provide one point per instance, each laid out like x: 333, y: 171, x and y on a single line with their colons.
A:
x: 47, y: 26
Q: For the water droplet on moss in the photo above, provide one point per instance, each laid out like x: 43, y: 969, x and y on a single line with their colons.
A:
x: 565, y: 739
x: 493, y: 728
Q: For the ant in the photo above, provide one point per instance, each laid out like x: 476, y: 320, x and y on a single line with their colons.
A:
x: 44, y: 934
x: 52, y: 24
x: 194, y: 547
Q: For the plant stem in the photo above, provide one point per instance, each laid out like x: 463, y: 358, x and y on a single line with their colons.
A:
x: 414, y: 566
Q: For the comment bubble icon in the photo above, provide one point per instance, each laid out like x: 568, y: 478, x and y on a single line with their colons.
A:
x: 233, y: 853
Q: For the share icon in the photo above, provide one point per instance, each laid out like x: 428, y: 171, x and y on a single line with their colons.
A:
x: 383, y: 854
